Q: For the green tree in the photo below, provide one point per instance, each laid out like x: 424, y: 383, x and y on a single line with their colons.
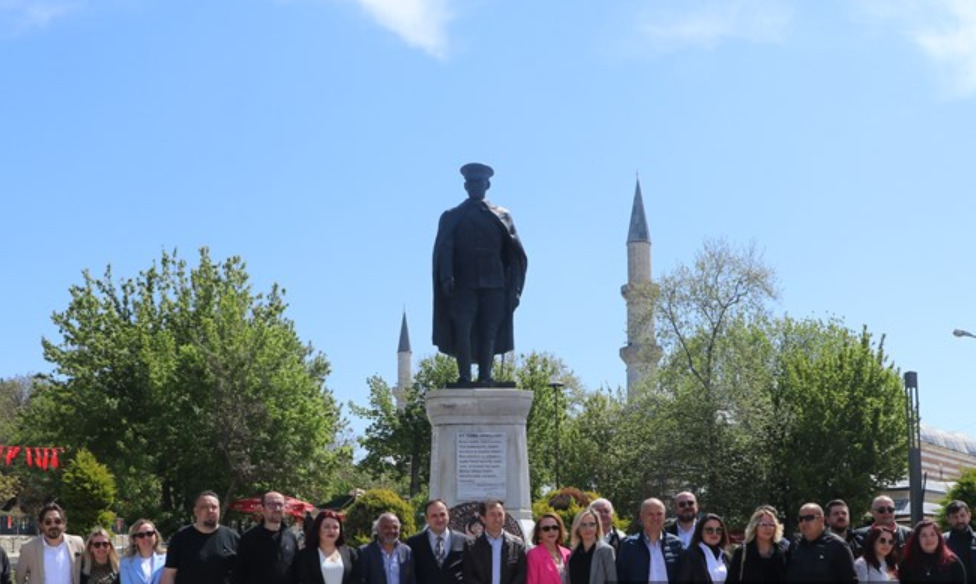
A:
x: 88, y: 490
x: 964, y: 489
x: 183, y: 379
x: 397, y: 442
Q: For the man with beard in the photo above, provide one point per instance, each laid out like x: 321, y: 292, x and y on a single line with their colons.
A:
x: 686, y: 518
x: 202, y: 553
x: 53, y: 556
x: 387, y: 560
x: 839, y: 523
x: 266, y: 554
x: 960, y: 537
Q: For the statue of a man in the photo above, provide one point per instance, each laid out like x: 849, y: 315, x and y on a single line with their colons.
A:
x: 479, y: 271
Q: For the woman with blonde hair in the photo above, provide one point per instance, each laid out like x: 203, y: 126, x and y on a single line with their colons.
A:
x: 763, y: 555
x: 591, y: 560
x: 143, y: 560
x: 100, y: 563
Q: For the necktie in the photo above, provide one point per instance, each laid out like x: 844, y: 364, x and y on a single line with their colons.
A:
x: 439, y: 550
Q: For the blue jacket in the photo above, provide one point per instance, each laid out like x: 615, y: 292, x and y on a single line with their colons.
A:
x: 634, y: 559
x: 130, y: 570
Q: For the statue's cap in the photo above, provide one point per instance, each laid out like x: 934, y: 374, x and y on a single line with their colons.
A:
x: 476, y: 170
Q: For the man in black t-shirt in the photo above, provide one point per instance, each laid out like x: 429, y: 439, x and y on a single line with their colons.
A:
x: 266, y: 554
x: 202, y: 553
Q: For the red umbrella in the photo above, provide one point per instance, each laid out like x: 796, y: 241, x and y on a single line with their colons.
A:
x: 251, y: 505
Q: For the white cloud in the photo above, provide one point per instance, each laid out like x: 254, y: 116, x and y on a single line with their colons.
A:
x: 709, y: 23
x: 420, y: 23
x: 945, y: 30
x: 18, y: 16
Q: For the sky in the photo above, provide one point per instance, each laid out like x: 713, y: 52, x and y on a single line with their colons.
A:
x: 321, y: 139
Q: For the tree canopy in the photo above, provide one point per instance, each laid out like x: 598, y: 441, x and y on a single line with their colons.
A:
x: 183, y: 379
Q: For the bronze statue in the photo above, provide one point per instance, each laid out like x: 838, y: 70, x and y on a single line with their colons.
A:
x: 479, y: 271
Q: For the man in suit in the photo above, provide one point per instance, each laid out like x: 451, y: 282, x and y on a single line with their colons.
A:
x: 386, y: 560
x: 497, y: 557
x: 53, y: 556
x: 437, y: 551
x: 653, y: 555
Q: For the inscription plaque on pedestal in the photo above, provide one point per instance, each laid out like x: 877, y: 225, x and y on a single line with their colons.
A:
x: 481, y: 465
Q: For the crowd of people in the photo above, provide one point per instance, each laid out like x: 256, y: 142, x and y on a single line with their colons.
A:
x: 695, y: 547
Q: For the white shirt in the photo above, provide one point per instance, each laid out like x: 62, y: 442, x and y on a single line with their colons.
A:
x: 146, y: 564
x: 332, y: 567
x: 391, y: 563
x: 432, y: 538
x: 657, y: 571
x: 685, y: 536
x: 57, y: 563
x: 717, y: 570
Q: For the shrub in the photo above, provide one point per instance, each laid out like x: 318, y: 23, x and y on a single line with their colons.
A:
x: 358, y: 525
x: 88, y: 492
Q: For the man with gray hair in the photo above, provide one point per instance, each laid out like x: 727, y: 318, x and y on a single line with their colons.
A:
x: 386, y: 560
x: 651, y: 555
x: 604, y: 510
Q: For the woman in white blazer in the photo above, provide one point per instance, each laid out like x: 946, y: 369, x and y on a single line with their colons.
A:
x: 144, y: 559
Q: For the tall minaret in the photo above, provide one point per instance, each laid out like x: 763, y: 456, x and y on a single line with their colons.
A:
x: 637, y: 293
x: 404, y: 372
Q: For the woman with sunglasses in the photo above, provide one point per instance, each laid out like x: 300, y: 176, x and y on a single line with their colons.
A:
x: 546, y: 562
x: 762, y: 556
x: 879, y: 561
x: 706, y: 559
x: 928, y: 558
x: 143, y: 560
x: 100, y: 563
x: 592, y: 559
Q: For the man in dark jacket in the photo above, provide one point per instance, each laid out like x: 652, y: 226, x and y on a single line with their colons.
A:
x: 819, y: 556
x: 883, y: 512
x: 478, y: 563
x: 839, y: 523
x: 437, y: 550
x: 651, y: 555
x: 266, y: 552
x: 960, y: 537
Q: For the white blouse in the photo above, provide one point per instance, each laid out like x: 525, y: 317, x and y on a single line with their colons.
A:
x: 332, y: 568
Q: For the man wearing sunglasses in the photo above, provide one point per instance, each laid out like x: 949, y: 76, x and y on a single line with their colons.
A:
x: 818, y: 555
x: 686, y: 518
x: 54, y: 556
x: 266, y: 552
x: 883, y: 511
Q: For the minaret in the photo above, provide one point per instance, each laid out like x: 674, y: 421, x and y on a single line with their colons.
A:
x: 637, y: 293
x: 404, y: 372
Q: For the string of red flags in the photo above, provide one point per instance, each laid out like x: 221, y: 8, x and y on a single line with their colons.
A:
x: 42, y: 457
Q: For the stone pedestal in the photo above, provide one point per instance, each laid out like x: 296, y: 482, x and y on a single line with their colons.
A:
x: 479, y: 449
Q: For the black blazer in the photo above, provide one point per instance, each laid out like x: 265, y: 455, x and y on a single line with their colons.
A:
x: 428, y: 572
x: 309, y: 571
x: 371, y: 564
x: 476, y: 564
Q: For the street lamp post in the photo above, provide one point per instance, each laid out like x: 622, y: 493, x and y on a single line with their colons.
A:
x: 557, y: 388
x: 915, y: 488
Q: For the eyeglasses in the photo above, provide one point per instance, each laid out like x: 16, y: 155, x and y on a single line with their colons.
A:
x: 884, y: 509
x: 764, y: 524
x: 587, y: 525
x: 100, y: 544
x: 805, y: 518
x: 275, y: 505
x: 886, y: 541
x: 714, y: 530
x: 143, y: 534
x: 549, y: 528
x: 53, y: 522
x: 683, y: 504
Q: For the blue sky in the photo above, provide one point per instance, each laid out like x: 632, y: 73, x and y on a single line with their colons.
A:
x: 320, y: 140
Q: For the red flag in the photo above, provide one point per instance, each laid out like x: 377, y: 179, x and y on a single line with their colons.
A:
x: 29, y: 459
x: 40, y: 457
x: 12, y: 452
x: 54, y: 457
